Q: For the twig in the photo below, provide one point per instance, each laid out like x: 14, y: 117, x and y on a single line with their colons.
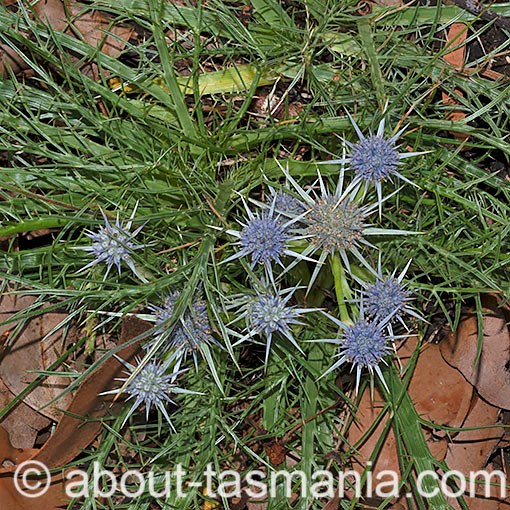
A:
x: 484, y: 13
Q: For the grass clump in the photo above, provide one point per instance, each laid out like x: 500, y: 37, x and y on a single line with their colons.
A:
x: 178, y: 141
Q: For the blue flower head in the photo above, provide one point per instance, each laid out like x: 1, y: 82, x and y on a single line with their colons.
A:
x: 268, y: 313
x: 265, y: 237
x: 335, y: 222
x: 113, y: 244
x: 375, y: 158
x: 151, y: 386
x: 191, y: 333
x: 286, y: 203
x: 364, y: 344
x: 388, y: 298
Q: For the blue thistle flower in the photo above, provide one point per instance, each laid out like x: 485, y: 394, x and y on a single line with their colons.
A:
x: 385, y: 298
x: 191, y: 333
x: 336, y: 222
x: 364, y: 344
x: 388, y: 297
x: 151, y: 386
x: 268, y: 313
x: 375, y: 158
x: 286, y: 203
x: 113, y: 244
x: 265, y: 237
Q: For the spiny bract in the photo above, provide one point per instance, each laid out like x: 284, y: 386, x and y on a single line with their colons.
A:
x: 388, y: 298
x: 375, y: 158
x: 364, y: 344
x: 269, y: 313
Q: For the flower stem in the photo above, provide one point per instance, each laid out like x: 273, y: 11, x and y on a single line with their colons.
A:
x: 342, y: 288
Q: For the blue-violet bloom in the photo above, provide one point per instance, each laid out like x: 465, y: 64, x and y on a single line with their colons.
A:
x: 364, y: 344
x: 151, y: 386
x: 268, y: 313
x: 190, y: 334
x: 375, y: 158
x: 113, y: 244
x: 266, y: 238
x: 388, y: 297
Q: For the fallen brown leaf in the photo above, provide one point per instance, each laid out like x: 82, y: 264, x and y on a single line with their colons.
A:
x: 72, y: 434
x: 32, y: 349
x: 88, y: 25
x: 470, y: 449
x: 439, y: 393
x: 22, y: 423
x: 333, y: 504
x: 457, y: 34
x: 10, y: 498
x: 490, y: 376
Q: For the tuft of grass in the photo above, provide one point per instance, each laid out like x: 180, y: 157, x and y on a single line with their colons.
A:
x: 171, y: 125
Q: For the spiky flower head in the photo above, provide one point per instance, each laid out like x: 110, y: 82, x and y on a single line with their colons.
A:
x: 388, y: 297
x: 267, y: 314
x: 364, y: 344
x: 193, y: 330
x: 375, y: 158
x: 265, y: 237
x: 334, y: 224
x: 286, y: 203
x: 151, y: 386
x: 114, y: 244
